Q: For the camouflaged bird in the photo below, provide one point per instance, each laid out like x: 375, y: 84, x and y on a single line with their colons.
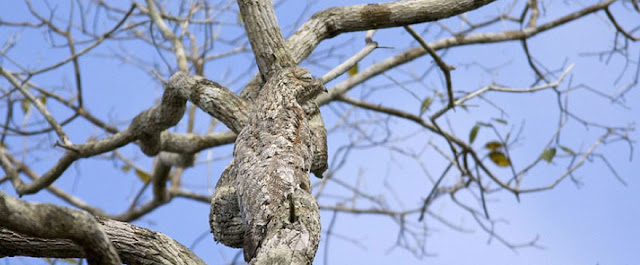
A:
x: 273, y: 156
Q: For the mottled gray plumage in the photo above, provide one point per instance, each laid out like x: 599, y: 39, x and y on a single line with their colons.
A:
x: 318, y: 138
x: 225, y: 220
x: 273, y: 157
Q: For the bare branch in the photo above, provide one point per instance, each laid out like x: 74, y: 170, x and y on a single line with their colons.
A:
x: 50, y: 221
x: 353, y: 60
x: 178, y: 47
x: 265, y: 36
x: 41, y: 108
x: 134, y: 245
x: 446, y: 69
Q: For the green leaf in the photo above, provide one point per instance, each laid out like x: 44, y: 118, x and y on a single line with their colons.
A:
x: 548, y: 154
x: 425, y: 105
x: 493, y: 145
x: 484, y: 124
x: 353, y: 70
x: 43, y: 100
x: 125, y: 168
x: 501, y: 121
x: 568, y: 150
x: 499, y: 159
x: 473, y: 133
x: 143, y: 175
x: 25, y: 105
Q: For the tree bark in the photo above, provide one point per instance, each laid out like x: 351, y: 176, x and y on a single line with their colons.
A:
x: 274, y: 154
x: 270, y: 211
x: 263, y: 176
x: 43, y: 230
x: 55, y: 222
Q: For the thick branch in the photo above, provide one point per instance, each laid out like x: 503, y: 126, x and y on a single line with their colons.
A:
x: 453, y: 41
x: 55, y: 222
x: 193, y: 143
x: 333, y: 21
x: 265, y: 36
x: 212, y: 98
x: 266, y: 191
x: 134, y: 245
x: 146, y: 127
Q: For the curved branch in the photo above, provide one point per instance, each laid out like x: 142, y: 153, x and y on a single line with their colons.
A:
x: 41, y: 108
x: 449, y: 42
x: 212, y: 98
x: 193, y: 143
x: 333, y: 21
x: 178, y: 47
x: 56, y: 222
x: 134, y: 245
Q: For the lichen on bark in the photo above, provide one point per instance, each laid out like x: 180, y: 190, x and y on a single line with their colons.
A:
x: 268, y: 180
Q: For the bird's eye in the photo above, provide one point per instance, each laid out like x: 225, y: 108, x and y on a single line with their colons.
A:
x: 306, y: 77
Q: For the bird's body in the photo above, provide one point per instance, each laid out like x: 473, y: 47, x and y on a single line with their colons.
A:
x: 273, y: 153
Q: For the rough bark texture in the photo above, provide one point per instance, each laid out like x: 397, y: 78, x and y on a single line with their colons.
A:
x: 225, y: 220
x: 318, y: 138
x: 212, y: 98
x: 334, y: 21
x: 323, y: 25
x: 272, y: 161
x: 265, y: 36
x: 56, y: 222
x: 135, y: 245
x: 263, y: 200
x: 273, y: 156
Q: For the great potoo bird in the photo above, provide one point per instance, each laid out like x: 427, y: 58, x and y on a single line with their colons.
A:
x: 269, y: 174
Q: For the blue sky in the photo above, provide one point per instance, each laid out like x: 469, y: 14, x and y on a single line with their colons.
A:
x: 595, y: 223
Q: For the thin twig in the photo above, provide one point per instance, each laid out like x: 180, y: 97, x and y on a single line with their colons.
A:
x: 446, y: 69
